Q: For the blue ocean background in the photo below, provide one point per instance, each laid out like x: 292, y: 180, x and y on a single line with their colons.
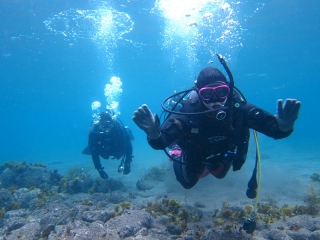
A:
x: 57, y: 56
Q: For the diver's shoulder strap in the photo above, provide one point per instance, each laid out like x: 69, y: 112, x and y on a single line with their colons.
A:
x: 240, y: 135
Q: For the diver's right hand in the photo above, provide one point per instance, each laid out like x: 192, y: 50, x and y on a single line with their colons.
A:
x: 102, y: 173
x: 147, y: 121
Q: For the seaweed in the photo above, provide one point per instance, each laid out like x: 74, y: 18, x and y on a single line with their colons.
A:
x: 183, y: 225
x: 155, y: 174
x: 218, y: 222
x: 173, y: 218
x: 116, y: 209
x: 225, y: 211
x: 315, y: 177
x: 215, y: 213
x: 75, y: 181
x: 287, y: 211
x: 266, y: 219
x: 312, y: 200
x: 173, y: 204
x: 125, y: 205
x: 2, y: 211
x: 196, y: 218
x: 300, y: 210
x: 169, y: 207
x: 43, y: 198
x: 248, y: 208
x: 184, y: 215
x: 228, y: 227
x: 40, y: 164
x: 87, y: 202
x: 76, y: 173
x: 264, y: 208
x: 156, y: 208
x: 15, y: 205
x: 16, y: 166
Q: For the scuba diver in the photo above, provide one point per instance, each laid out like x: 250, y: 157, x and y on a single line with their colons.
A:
x: 109, y: 137
x: 209, y: 132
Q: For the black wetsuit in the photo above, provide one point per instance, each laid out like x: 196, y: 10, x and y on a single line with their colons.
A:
x: 205, y: 141
x: 115, y: 142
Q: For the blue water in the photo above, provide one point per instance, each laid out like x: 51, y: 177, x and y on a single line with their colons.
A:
x: 57, y: 56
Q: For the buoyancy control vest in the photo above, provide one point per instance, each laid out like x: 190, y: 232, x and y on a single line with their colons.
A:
x: 236, y: 144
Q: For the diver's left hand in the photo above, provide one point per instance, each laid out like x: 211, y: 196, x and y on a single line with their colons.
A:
x: 287, y: 114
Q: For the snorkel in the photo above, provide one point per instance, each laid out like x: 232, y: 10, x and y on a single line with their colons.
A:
x: 230, y: 97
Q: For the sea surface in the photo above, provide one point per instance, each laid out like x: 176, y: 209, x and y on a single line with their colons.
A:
x: 56, y: 58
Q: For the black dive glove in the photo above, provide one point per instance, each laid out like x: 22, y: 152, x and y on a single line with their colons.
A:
x: 102, y: 173
x: 147, y: 121
x: 287, y: 114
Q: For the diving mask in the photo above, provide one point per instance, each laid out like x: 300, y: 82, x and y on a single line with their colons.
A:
x: 214, y: 94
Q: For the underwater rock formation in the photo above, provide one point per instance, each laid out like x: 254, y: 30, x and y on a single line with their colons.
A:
x: 76, y: 206
x: 151, y: 177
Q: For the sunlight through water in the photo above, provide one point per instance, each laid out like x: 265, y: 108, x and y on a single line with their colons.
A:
x: 104, y: 26
x: 197, y: 29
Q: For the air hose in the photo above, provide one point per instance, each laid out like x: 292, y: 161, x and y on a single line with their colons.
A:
x: 253, y: 190
x: 258, y: 162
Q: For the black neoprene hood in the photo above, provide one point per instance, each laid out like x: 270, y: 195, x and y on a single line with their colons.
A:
x: 208, y: 76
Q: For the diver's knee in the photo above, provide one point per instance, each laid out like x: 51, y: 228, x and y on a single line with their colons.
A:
x: 188, y: 185
x: 221, y: 175
x: 221, y: 171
